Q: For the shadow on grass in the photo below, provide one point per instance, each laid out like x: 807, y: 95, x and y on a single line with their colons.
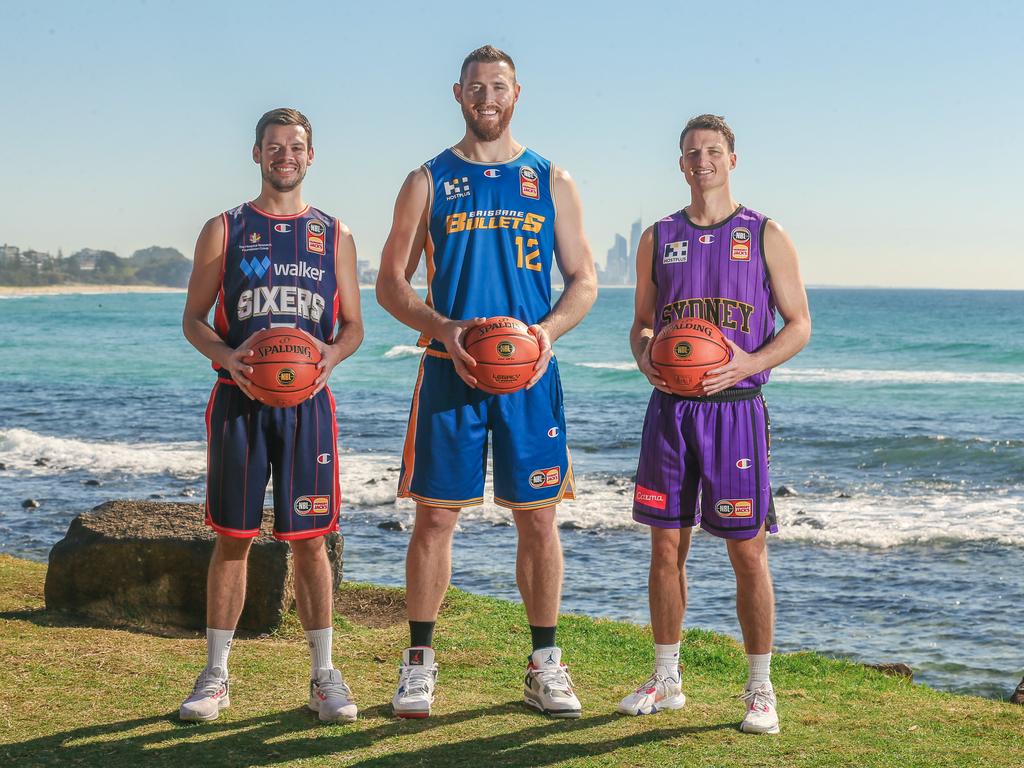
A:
x: 296, y: 735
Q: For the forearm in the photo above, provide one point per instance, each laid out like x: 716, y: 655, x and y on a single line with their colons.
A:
x: 405, y: 305
x: 348, y: 340
x: 572, y: 306
x: 639, y: 338
x: 202, y: 336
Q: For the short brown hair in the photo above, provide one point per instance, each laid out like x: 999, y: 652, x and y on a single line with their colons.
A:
x: 711, y: 123
x: 486, y: 53
x: 283, y: 116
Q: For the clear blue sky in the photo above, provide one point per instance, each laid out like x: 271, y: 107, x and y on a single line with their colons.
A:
x: 885, y: 136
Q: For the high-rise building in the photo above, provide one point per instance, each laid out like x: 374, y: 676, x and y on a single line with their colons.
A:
x: 634, y: 243
x: 616, y: 263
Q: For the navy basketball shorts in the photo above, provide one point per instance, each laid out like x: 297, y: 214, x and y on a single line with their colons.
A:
x: 249, y: 442
x: 706, y: 462
x: 445, y: 455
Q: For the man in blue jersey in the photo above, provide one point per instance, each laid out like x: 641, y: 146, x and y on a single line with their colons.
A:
x: 483, y: 213
x: 274, y: 261
x: 705, y: 460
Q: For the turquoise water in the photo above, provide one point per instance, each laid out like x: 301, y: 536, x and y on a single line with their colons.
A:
x: 900, y: 427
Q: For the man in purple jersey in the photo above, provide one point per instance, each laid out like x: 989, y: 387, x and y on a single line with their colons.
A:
x: 274, y: 261
x: 704, y: 460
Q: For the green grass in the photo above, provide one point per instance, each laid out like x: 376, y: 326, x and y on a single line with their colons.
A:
x: 77, y: 695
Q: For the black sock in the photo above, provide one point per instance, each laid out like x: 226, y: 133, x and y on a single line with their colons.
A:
x: 421, y: 633
x: 543, y: 637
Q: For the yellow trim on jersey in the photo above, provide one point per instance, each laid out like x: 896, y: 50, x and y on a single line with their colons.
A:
x: 477, y: 162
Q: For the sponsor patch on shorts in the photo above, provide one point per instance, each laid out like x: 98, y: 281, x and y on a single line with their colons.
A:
x: 735, y: 507
x: 649, y: 498
x: 545, y: 478
x: 312, y: 505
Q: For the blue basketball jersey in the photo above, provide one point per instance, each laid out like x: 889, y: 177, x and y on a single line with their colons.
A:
x: 491, y: 238
x: 277, y: 271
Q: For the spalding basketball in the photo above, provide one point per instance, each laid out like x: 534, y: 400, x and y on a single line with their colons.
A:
x: 283, y: 364
x: 505, y: 352
x: 686, y: 350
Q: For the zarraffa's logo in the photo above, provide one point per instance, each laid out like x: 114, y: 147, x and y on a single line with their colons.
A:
x: 682, y: 350
x: 506, y: 349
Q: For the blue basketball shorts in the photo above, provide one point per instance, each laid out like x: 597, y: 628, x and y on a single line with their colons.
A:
x: 445, y: 455
x: 248, y: 442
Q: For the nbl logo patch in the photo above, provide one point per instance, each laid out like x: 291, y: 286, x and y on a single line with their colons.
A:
x: 312, y: 505
x: 528, y: 185
x: 740, y: 245
x: 545, y: 478
x: 286, y: 377
x: 735, y: 508
x: 315, y: 232
x: 506, y: 349
x: 676, y: 253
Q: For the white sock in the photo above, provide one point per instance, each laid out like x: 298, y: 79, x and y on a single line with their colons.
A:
x: 320, y: 642
x: 666, y: 659
x: 759, y: 667
x: 218, y: 646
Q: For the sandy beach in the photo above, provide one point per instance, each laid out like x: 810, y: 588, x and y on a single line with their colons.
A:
x: 10, y: 291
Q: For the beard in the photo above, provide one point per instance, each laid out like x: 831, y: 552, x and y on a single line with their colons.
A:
x: 280, y: 186
x: 488, y: 131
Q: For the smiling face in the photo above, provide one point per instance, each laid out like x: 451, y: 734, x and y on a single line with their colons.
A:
x: 283, y: 155
x: 706, y: 160
x: 487, y: 94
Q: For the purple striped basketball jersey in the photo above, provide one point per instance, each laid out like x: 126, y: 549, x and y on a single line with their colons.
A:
x: 718, y: 274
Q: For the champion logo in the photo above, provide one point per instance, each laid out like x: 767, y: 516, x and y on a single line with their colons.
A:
x: 254, y: 266
x: 744, y: 464
x: 282, y: 228
x: 492, y: 173
x: 323, y: 458
x: 706, y: 239
x: 553, y: 432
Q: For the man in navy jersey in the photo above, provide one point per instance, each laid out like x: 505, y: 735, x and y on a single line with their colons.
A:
x: 275, y: 261
x: 704, y: 460
x: 484, y: 214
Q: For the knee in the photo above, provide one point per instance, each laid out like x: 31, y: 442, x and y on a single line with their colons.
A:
x: 231, y: 548
x: 307, y: 550
x: 536, y: 526
x: 434, y: 525
x: 749, y: 561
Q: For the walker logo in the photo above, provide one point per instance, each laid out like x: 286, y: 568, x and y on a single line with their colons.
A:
x: 544, y: 478
x: 735, y: 508
x: 553, y: 432
x: 675, y: 253
x: 492, y: 173
x: 744, y: 464
x: 649, y: 498
x: 740, y: 244
x: 456, y: 188
x: 283, y: 228
x: 312, y: 505
x: 254, y: 266
x: 323, y: 458
x: 706, y: 239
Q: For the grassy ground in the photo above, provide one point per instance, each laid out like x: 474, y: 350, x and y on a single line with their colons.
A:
x: 76, y: 695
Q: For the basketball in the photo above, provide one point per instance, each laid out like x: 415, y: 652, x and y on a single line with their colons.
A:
x: 686, y: 350
x: 505, y: 353
x: 284, y: 368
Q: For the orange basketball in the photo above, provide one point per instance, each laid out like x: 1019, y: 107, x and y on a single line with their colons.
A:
x: 505, y: 353
x: 686, y: 350
x: 284, y: 368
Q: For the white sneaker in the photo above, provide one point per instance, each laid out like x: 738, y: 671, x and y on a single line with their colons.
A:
x: 761, y: 714
x: 657, y: 693
x: 548, y: 687
x: 416, y: 680
x: 209, y: 696
x: 330, y: 696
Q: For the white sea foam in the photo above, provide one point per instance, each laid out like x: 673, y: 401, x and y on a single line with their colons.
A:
x: 610, y: 366
x: 25, y: 451
x: 403, y: 350
x: 887, y: 376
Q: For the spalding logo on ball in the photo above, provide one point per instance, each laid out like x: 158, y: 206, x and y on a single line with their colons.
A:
x: 685, y: 351
x: 284, y: 368
x: 505, y: 352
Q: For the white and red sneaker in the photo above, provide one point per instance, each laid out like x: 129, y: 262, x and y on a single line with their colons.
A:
x: 331, y: 698
x: 548, y: 687
x: 658, y: 692
x: 416, y: 680
x: 209, y: 696
x: 761, y: 716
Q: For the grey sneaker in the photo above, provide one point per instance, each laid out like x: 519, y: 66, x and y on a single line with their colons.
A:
x: 761, y: 716
x: 330, y: 696
x: 548, y: 687
x: 416, y: 680
x: 209, y: 696
x: 657, y: 693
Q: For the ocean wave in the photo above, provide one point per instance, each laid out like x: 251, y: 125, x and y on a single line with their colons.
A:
x: 888, y: 376
x: 403, y: 350
x: 610, y: 366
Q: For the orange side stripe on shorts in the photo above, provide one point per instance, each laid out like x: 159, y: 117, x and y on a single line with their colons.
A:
x: 409, y: 450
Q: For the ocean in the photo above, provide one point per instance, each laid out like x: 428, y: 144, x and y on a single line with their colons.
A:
x: 900, y: 428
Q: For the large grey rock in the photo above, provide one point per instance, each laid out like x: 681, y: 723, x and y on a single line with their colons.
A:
x: 898, y: 669
x: 144, y: 563
x: 1018, y: 695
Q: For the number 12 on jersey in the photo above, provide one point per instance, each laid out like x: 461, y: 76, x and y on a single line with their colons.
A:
x: 529, y: 258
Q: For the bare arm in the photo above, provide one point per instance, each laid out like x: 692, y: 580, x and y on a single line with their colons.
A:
x: 203, y: 286
x: 790, y: 298
x: 351, y: 317
x: 398, y: 262
x: 644, y: 306
x: 575, y: 262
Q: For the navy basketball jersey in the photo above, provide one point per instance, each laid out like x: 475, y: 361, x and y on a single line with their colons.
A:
x: 277, y: 271
x: 491, y: 238
x: 718, y: 274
